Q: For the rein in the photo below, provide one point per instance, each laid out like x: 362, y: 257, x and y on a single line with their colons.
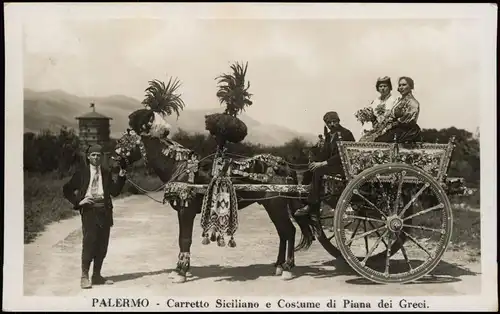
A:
x: 175, y: 176
x: 183, y: 169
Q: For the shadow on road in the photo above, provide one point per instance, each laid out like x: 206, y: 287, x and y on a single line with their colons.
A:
x: 252, y: 272
x: 132, y: 276
x: 444, y: 273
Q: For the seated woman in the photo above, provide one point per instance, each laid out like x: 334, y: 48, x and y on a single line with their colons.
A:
x: 381, y: 105
x: 400, y: 124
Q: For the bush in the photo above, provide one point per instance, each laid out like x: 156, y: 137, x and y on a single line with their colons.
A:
x: 44, y: 202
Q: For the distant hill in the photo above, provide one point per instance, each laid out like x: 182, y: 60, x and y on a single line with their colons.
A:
x: 53, y: 109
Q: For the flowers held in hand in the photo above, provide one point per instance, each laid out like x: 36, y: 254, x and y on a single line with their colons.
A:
x: 365, y: 115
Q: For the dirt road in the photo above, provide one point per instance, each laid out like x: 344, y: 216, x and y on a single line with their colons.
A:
x: 143, y: 251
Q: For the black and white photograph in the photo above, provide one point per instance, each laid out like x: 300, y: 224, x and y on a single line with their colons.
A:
x: 250, y: 157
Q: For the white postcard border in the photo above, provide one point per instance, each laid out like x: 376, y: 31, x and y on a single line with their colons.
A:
x: 15, y: 14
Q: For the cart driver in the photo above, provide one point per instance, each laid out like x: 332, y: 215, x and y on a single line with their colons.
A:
x: 331, y: 163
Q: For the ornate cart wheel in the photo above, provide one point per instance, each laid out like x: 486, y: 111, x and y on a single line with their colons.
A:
x: 328, y: 241
x: 381, y: 197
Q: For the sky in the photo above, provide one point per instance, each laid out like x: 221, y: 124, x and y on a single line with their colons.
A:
x: 298, y: 68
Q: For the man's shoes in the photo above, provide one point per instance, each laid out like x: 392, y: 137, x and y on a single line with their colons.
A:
x: 100, y: 280
x: 85, y: 283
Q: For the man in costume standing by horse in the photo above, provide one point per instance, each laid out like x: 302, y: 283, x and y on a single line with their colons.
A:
x: 90, y: 190
x: 327, y: 163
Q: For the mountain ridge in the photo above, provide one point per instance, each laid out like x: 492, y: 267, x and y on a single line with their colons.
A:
x: 54, y: 108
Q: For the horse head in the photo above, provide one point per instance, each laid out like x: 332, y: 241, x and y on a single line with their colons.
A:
x: 146, y: 122
x: 128, y: 149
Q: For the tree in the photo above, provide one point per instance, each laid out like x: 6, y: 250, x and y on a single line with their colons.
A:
x: 465, y: 160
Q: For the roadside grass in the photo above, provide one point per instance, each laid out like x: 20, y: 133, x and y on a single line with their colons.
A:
x: 466, y: 230
x: 44, y: 202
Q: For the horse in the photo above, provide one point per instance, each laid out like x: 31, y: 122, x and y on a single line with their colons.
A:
x: 153, y: 132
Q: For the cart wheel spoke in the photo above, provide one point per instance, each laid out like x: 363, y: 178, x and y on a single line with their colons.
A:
x: 414, y: 198
x: 349, y: 223
x: 374, y: 247
x: 388, y: 255
x: 405, y: 255
x: 354, y: 233
x: 412, y: 239
x: 425, y: 211
x: 378, y: 234
x: 366, y: 238
x: 384, y: 194
x: 365, y: 234
x: 398, y: 192
x: 368, y: 202
x: 365, y: 219
x: 442, y: 231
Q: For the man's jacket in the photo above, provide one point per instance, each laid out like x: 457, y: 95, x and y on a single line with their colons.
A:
x: 330, y: 150
x: 76, y: 188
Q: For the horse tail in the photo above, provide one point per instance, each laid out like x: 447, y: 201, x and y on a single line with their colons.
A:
x: 306, y: 226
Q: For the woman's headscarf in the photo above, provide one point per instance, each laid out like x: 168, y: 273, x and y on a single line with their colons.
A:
x: 408, y: 80
x: 383, y: 80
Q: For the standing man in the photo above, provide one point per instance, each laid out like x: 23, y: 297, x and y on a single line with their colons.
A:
x: 331, y: 163
x: 90, y: 190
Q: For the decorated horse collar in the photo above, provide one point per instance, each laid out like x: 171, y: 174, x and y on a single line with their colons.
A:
x: 127, y: 142
x: 172, y: 149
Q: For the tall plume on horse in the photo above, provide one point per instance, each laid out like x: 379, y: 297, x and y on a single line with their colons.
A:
x: 160, y: 101
x: 233, y: 92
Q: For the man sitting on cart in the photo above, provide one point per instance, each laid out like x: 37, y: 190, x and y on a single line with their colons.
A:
x: 329, y: 163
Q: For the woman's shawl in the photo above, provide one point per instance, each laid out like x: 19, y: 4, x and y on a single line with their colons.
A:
x: 406, y: 110
x: 381, y: 108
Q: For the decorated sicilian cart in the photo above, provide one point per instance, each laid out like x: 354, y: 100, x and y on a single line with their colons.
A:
x: 391, y: 219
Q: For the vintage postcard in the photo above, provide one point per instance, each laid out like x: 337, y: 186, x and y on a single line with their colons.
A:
x: 250, y: 157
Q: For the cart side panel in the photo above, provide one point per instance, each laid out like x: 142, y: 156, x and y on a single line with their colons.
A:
x: 356, y: 156
x: 432, y: 158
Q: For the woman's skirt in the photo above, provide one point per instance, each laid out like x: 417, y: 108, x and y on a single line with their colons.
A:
x: 402, y: 133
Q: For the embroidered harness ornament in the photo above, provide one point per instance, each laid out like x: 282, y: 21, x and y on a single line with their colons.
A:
x: 219, y: 211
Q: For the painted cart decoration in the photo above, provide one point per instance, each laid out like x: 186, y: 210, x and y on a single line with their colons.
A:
x: 391, y: 203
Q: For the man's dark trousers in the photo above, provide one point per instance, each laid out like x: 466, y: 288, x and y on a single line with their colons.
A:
x: 315, y: 178
x: 96, y: 230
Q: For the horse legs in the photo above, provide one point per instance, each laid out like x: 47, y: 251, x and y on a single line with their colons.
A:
x: 186, y: 218
x: 289, y: 263
x: 281, y: 257
x: 286, y: 231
